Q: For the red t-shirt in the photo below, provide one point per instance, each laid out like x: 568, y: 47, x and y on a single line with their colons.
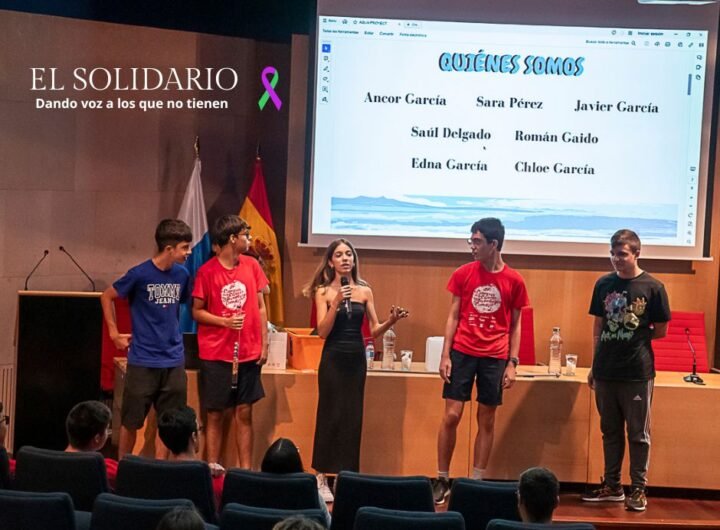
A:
x: 217, y: 484
x: 487, y: 300
x: 225, y: 292
x: 111, y: 467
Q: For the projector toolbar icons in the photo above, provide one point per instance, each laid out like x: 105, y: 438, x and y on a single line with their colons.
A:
x: 699, y: 66
x: 691, y: 203
x: 324, y: 73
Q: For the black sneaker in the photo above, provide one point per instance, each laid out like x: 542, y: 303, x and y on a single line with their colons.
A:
x: 637, y: 501
x: 604, y: 494
x: 441, y: 490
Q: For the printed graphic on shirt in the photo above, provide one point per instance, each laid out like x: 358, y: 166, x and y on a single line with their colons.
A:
x: 486, y: 300
x: 622, y: 318
x: 163, y: 293
x: 234, y: 295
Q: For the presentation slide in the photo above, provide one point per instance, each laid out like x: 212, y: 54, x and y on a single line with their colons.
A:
x: 565, y: 133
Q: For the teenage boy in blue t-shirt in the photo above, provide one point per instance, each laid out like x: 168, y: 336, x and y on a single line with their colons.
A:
x: 156, y: 358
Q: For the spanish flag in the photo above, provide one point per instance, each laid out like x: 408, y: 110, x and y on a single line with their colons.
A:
x: 256, y: 211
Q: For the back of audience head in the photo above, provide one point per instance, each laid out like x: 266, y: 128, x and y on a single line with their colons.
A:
x: 538, y: 495
x: 298, y: 522
x: 181, y: 518
x: 87, y: 426
x: 178, y: 430
x: 282, y: 457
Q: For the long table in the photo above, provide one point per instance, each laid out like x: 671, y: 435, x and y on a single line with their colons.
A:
x: 544, y: 421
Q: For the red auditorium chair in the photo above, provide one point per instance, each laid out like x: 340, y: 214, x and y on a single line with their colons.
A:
x: 527, y: 337
x: 672, y: 353
x: 109, y: 351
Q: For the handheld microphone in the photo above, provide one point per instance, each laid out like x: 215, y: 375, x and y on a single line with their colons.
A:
x: 45, y: 253
x: 348, y: 305
x: 693, y: 377
x: 62, y: 249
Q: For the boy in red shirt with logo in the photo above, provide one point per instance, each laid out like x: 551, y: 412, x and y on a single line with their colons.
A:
x: 482, y: 341
x: 232, y: 337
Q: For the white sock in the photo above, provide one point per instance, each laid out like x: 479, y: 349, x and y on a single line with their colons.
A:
x: 478, y: 474
x: 443, y: 474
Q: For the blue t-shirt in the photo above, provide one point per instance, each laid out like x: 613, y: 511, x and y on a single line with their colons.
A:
x: 155, y: 297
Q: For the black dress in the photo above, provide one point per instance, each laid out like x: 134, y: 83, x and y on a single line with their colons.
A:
x: 341, y: 390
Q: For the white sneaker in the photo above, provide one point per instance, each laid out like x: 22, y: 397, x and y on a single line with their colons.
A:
x: 324, y: 489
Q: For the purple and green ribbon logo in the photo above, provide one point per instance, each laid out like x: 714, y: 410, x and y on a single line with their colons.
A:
x: 269, y: 85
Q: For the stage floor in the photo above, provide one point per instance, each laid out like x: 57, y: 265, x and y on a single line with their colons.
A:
x: 663, y: 513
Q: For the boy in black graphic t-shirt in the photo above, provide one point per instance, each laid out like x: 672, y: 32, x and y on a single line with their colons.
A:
x: 630, y: 309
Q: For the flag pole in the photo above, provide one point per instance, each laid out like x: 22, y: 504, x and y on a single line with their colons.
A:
x: 197, y: 147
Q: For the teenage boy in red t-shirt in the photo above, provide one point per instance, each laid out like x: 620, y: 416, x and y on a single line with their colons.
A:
x: 232, y: 337
x: 482, y: 340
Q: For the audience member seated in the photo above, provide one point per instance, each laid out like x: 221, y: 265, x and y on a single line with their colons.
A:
x: 88, y: 426
x: 178, y: 430
x: 538, y: 495
x: 298, y: 523
x: 4, y: 459
x: 283, y: 457
x: 181, y: 518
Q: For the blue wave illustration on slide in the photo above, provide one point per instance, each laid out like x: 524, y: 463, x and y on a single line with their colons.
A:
x: 422, y: 215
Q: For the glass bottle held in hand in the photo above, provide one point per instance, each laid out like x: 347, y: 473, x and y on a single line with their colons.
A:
x: 388, y: 356
x: 555, y: 352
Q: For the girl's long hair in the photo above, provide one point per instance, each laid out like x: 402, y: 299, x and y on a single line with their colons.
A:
x: 324, y: 274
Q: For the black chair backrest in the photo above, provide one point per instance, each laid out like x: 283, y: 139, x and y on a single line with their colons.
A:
x: 4, y: 468
x: 162, y: 479
x: 355, y: 490
x: 501, y: 524
x: 478, y: 501
x: 371, y: 518
x: 22, y: 510
x: 82, y: 475
x: 235, y: 516
x: 292, y: 491
x: 113, y: 512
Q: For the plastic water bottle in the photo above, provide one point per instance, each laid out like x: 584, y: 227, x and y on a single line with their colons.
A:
x: 388, y: 356
x: 555, y: 352
x: 370, y: 354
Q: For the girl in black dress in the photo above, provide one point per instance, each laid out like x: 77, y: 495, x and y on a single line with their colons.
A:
x: 342, y: 371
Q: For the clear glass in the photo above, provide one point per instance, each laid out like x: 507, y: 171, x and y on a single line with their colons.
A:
x: 406, y: 360
x: 570, y: 363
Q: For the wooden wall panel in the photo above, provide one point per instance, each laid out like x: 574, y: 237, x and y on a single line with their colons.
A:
x: 543, y: 422
x: 98, y: 182
x: 684, y: 433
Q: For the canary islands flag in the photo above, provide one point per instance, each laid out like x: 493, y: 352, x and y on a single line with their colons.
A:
x: 256, y: 211
x: 192, y: 211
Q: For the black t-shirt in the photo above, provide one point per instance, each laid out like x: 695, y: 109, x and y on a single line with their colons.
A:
x: 627, y: 307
